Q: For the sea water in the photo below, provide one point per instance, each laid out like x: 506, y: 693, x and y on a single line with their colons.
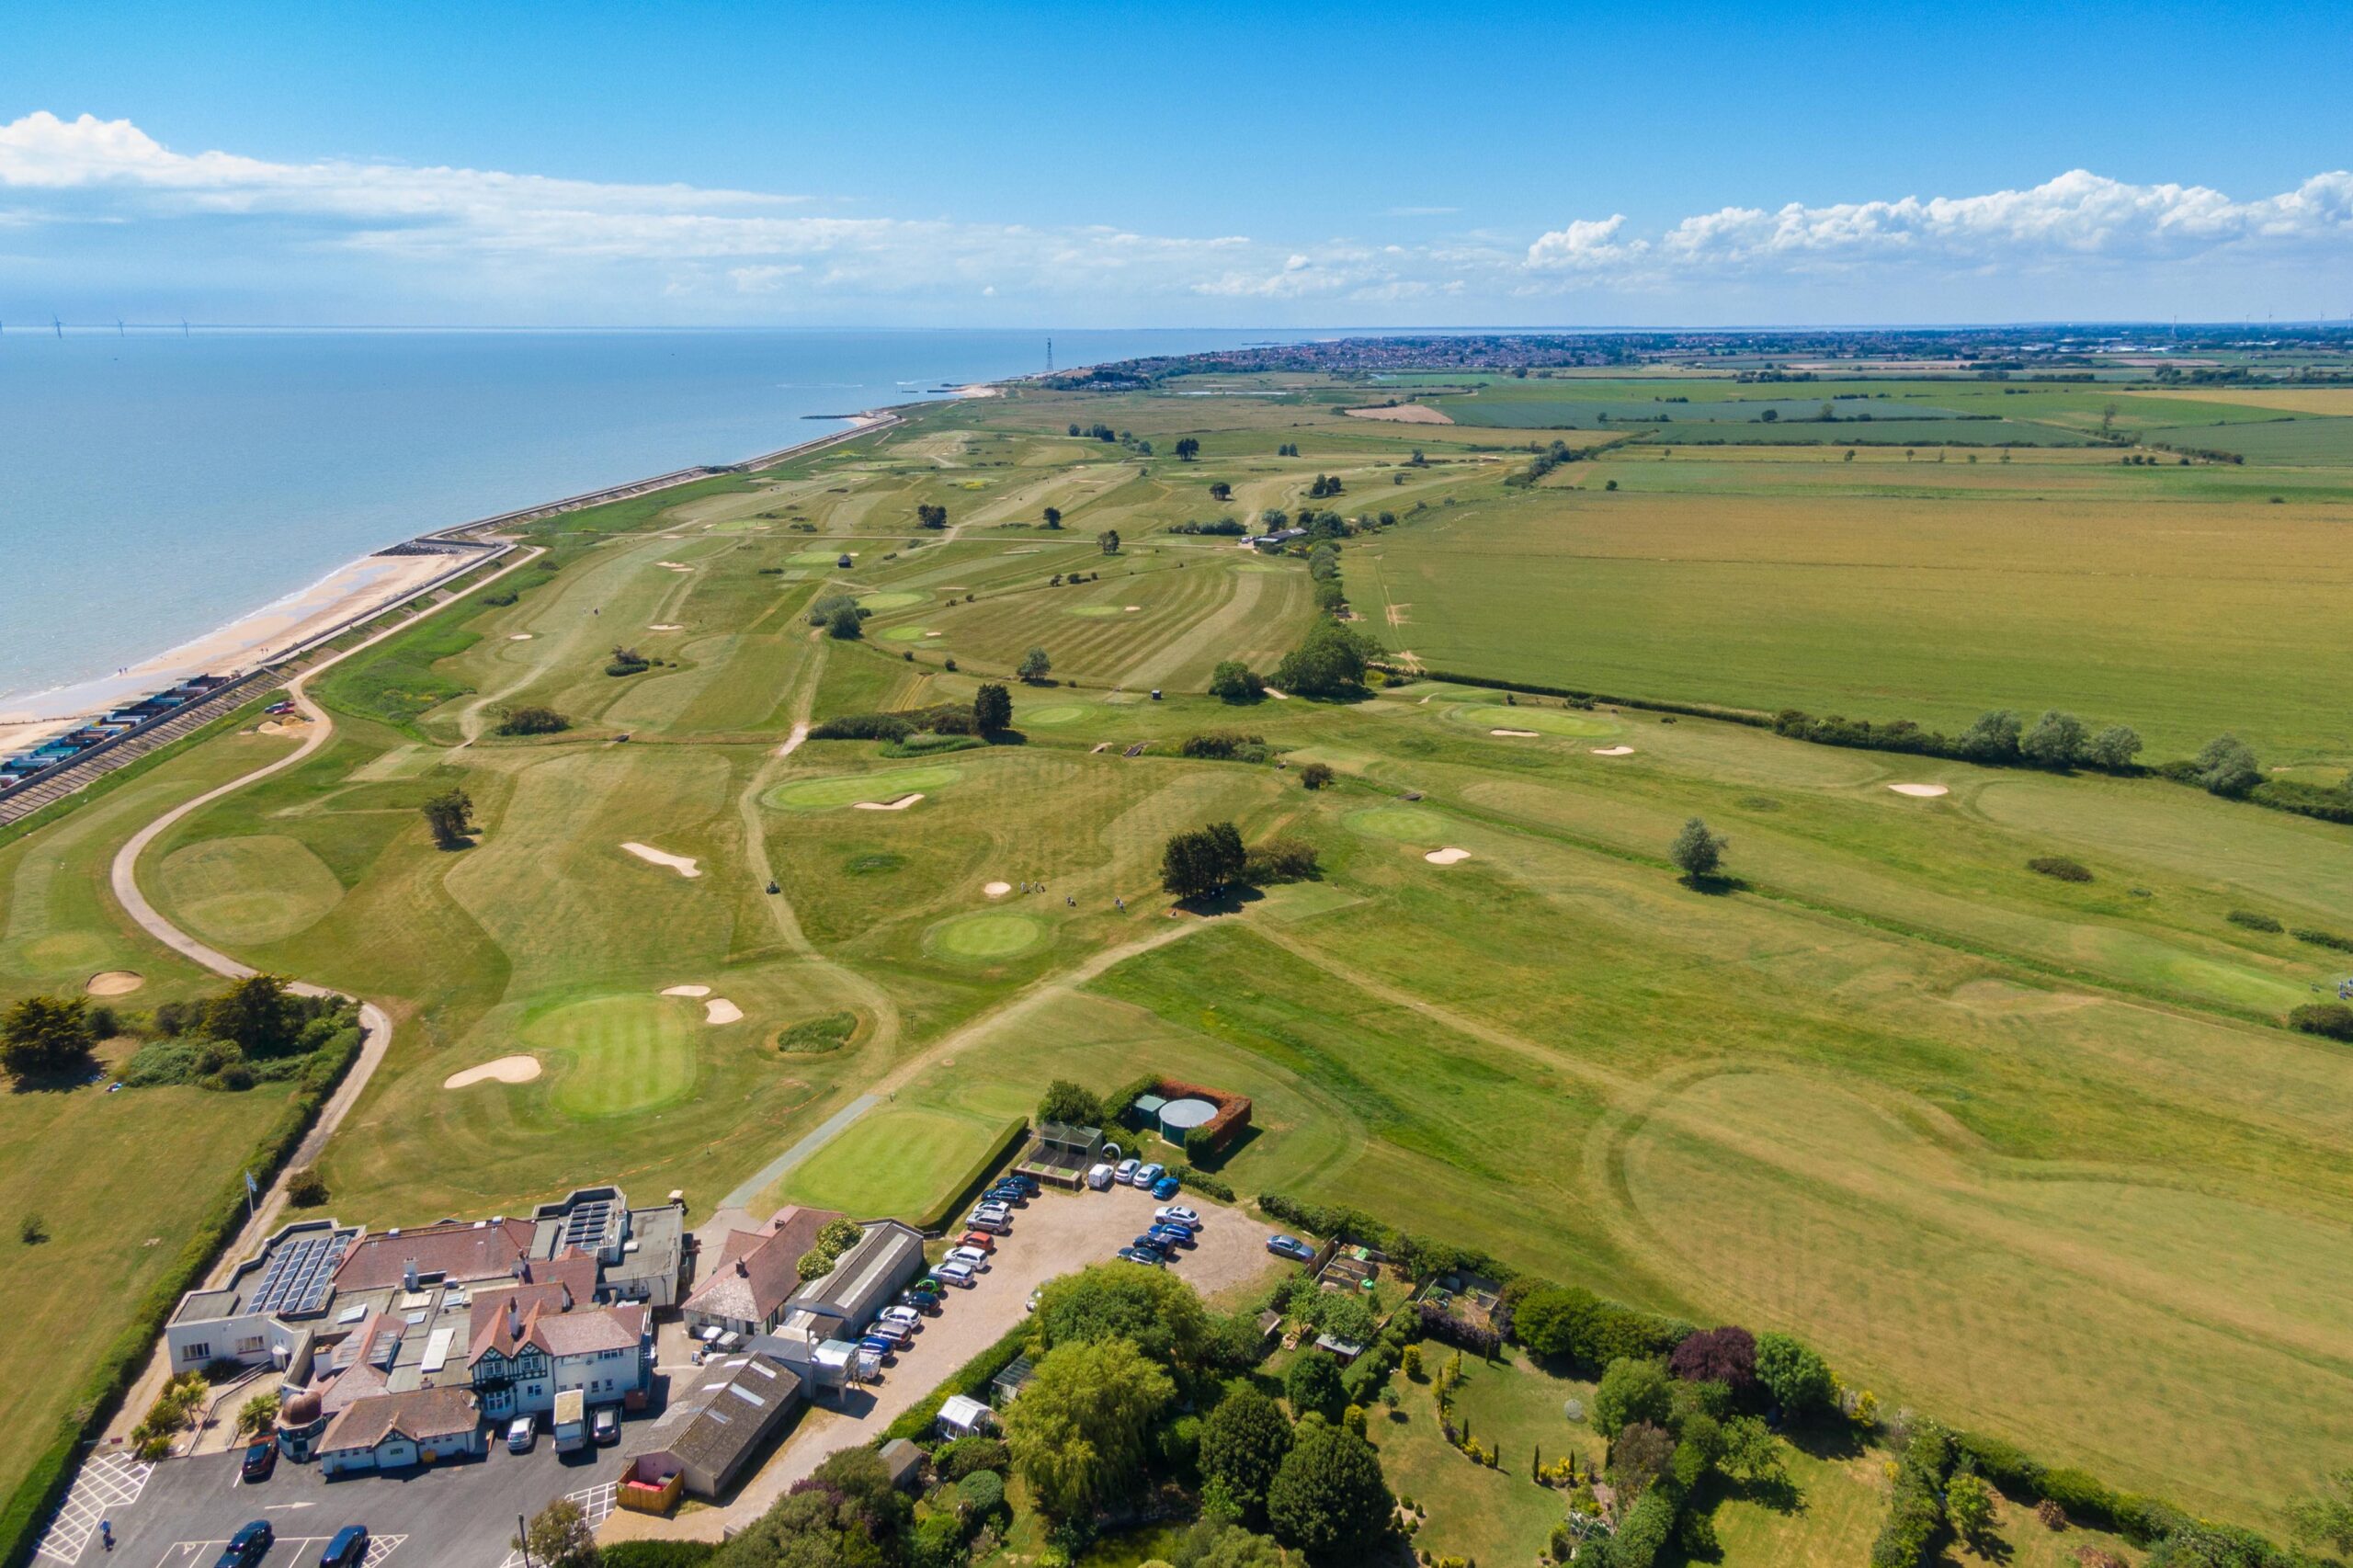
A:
x: 156, y: 486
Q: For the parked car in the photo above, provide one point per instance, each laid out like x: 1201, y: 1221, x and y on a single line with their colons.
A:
x: 248, y: 1547
x: 260, y: 1460
x: 920, y: 1301
x: 604, y: 1425
x: 1168, y: 1187
x: 1147, y: 1174
x: 1035, y: 1297
x: 521, y: 1433
x: 1176, y: 1214
x: 972, y: 1257
x: 998, y: 1206
x: 1023, y: 1180
x: 1009, y: 1192
x: 1173, y: 1235
x: 1124, y: 1173
x: 1153, y: 1244
x: 1290, y: 1246
x: 347, y: 1549
x: 964, y: 1276
x: 996, y: 1222
x: 907, y: 1318
x: 1098, y: 1176
x: 886, y: 1349
x: 1137, y: 1254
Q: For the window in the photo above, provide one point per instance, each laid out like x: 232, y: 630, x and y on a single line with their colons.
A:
x: 200, y: 1351
x: 250, y: 1346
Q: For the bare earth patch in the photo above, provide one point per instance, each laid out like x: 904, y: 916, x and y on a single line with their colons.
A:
x: 505, y: 1070
x: 1613, y: 751
x: 901, y: 804
x: 998, y: 889
x: 1920, y: 791
x: 1402, y: 414
x: 1517, y: 734
x: 113, y: 983
x: 682, y: 864
x: 686, y: 990
x: 1446, y: 857
x: 720, y: 1010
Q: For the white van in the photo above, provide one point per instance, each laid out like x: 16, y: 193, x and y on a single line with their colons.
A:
x: 1100, y: 1178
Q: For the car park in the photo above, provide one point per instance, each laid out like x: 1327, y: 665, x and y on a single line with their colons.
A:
x: 248, y: 1547
x: 1147, y: 1174
x: 347, y: 1549
x: 1290, y: 1246
x: 956, y: 1273
x: 260, y: 1460
x: 1176, y: 1214
x: 604, y: 1425
x: 1124, y: 1173
x: 972, y: 1257
x: 521, y: 1433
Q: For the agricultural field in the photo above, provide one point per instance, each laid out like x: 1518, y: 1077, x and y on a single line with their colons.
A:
x: 2034, y: 1155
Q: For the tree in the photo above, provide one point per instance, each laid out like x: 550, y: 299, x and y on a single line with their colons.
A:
x: 992, y: 708
x: 1748, y: 1449
x: 1726, y: 1356
x: 45, y: 1035
x: 1798, y: 1380
x: 531, y: 720
x: 257, y: 1416
x: 1329, y: 663
x: 2113, y: 748
x: 1697, y: 850
x: 1068, y: 1102
x: 2225, y: 766
x: 1969, y: 1507
x: 1202, y: 861
x: 2057, y: 740
x: 1053, y: 517
x: 1035, y: 666
x: 1328, y: 1498
x: 1148, y: 1308
x: 1632, y: 1391
x: 1992, y: 738
x: 1108, y: 541
x: 931, y: 517
x: 256, y: 1015
x: 1220, y: 490
x: 1188, y: 449
x: 1242, y: 1444
x: 450, y: 815
x: 559, y: 1536
x: 1643, y: 1534
x: 1315, y: 775
x: 1555, y: 1320
x: 845, y: 623
x: 1343, y: 1315
x: 1233, y: 681
x: 306, y: 1188
x: 2326, y: 1519
x: 1640, y: 1455
x: 1312, y: 1384
x: 1077, y: 1432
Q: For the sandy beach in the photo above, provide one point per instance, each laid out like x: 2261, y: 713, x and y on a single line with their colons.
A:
x: 367, y: 584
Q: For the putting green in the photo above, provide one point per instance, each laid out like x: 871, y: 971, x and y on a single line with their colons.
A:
x: 1406, y: 824
x: 901, y: 634
x: 245, y: 892
x: 893, y: 1161
x: 617, y: 1055
x: 848, y: 789
x: 1093, y: 609
x: 1060, y: 713
x: 898, y: 600
x: 988, y: 937
x: 1544, y: 720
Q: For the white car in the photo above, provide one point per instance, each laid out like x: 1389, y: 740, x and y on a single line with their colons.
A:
x: 972, y: 1257
x: 906, y: 1317
x: 1176, y: 1214
x: 1124, y: 1173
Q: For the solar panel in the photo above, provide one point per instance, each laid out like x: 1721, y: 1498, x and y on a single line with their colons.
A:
x: 299, y: 1275
x: 584, y: 1227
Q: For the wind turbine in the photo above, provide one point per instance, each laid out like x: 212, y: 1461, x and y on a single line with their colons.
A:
x: 56, y: 324
x: 118, y: 329
x: 183, y: 327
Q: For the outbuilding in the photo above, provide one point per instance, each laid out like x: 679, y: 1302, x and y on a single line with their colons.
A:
x: 393, y: 1431
x: 963, y: 1416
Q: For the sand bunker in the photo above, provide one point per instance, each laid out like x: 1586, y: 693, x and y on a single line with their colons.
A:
x: 901, y: 804
x: 505, y: 1070
x: 113, y: 983
x: 682, y: 864
x: 997, y: 889
x: 286, y: 726
x: 519, y: 637
x: 1278, y: 696
x: 1920, y: 791
x: 720, y: 1010
x: 1132, y: 608
x: 665, y: 626
x: 1402, y: 414
x: 1445, y: 857
x: 1613, y: 751
x: 1517, y: 734
x: 686, y: 990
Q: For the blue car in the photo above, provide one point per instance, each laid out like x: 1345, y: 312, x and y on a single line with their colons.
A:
x: 1166, y: 1188
x: 886, y: 1348
x: 1171, y: 1237
x: 347, y: 1549
x: 1153, y: 1244
x: 1290, y: 1246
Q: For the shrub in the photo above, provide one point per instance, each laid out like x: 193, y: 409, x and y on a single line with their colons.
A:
x: 2225, y: 766
x: 812, y: 1037
x: 306, y: 1188
x: 2322, y: 939
x: 2330, y: 1020
x: 1223, y: 745
x: 2053, y: 1516
x: 2252, y: 921
x: 2061, y: 868
x: 1283, y: 859
x: 1797, y: 1378
x: 982, y: 1492
x: 1726, y: 1356
x: 532, y: 720
x: 957, y: 1459
x: 1315, y: 775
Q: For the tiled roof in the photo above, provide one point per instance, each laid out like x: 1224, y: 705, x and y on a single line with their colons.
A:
x: 543, y: 1316
x: 459, y: 1250
x: 420, y: 1415
x: 757, y: 1271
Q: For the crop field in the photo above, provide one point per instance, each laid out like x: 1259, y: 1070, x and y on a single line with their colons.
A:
x: 2034, y: 1155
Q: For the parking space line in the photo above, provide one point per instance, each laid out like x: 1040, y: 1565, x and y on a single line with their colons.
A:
x: 106, y: 1483
x: 304, y: 1547
x: 596, y: 1502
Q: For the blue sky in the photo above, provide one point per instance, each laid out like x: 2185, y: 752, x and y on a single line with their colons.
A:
x: 1109, y: 165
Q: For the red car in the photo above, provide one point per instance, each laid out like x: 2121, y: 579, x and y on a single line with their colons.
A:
x: 980, y: 1239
